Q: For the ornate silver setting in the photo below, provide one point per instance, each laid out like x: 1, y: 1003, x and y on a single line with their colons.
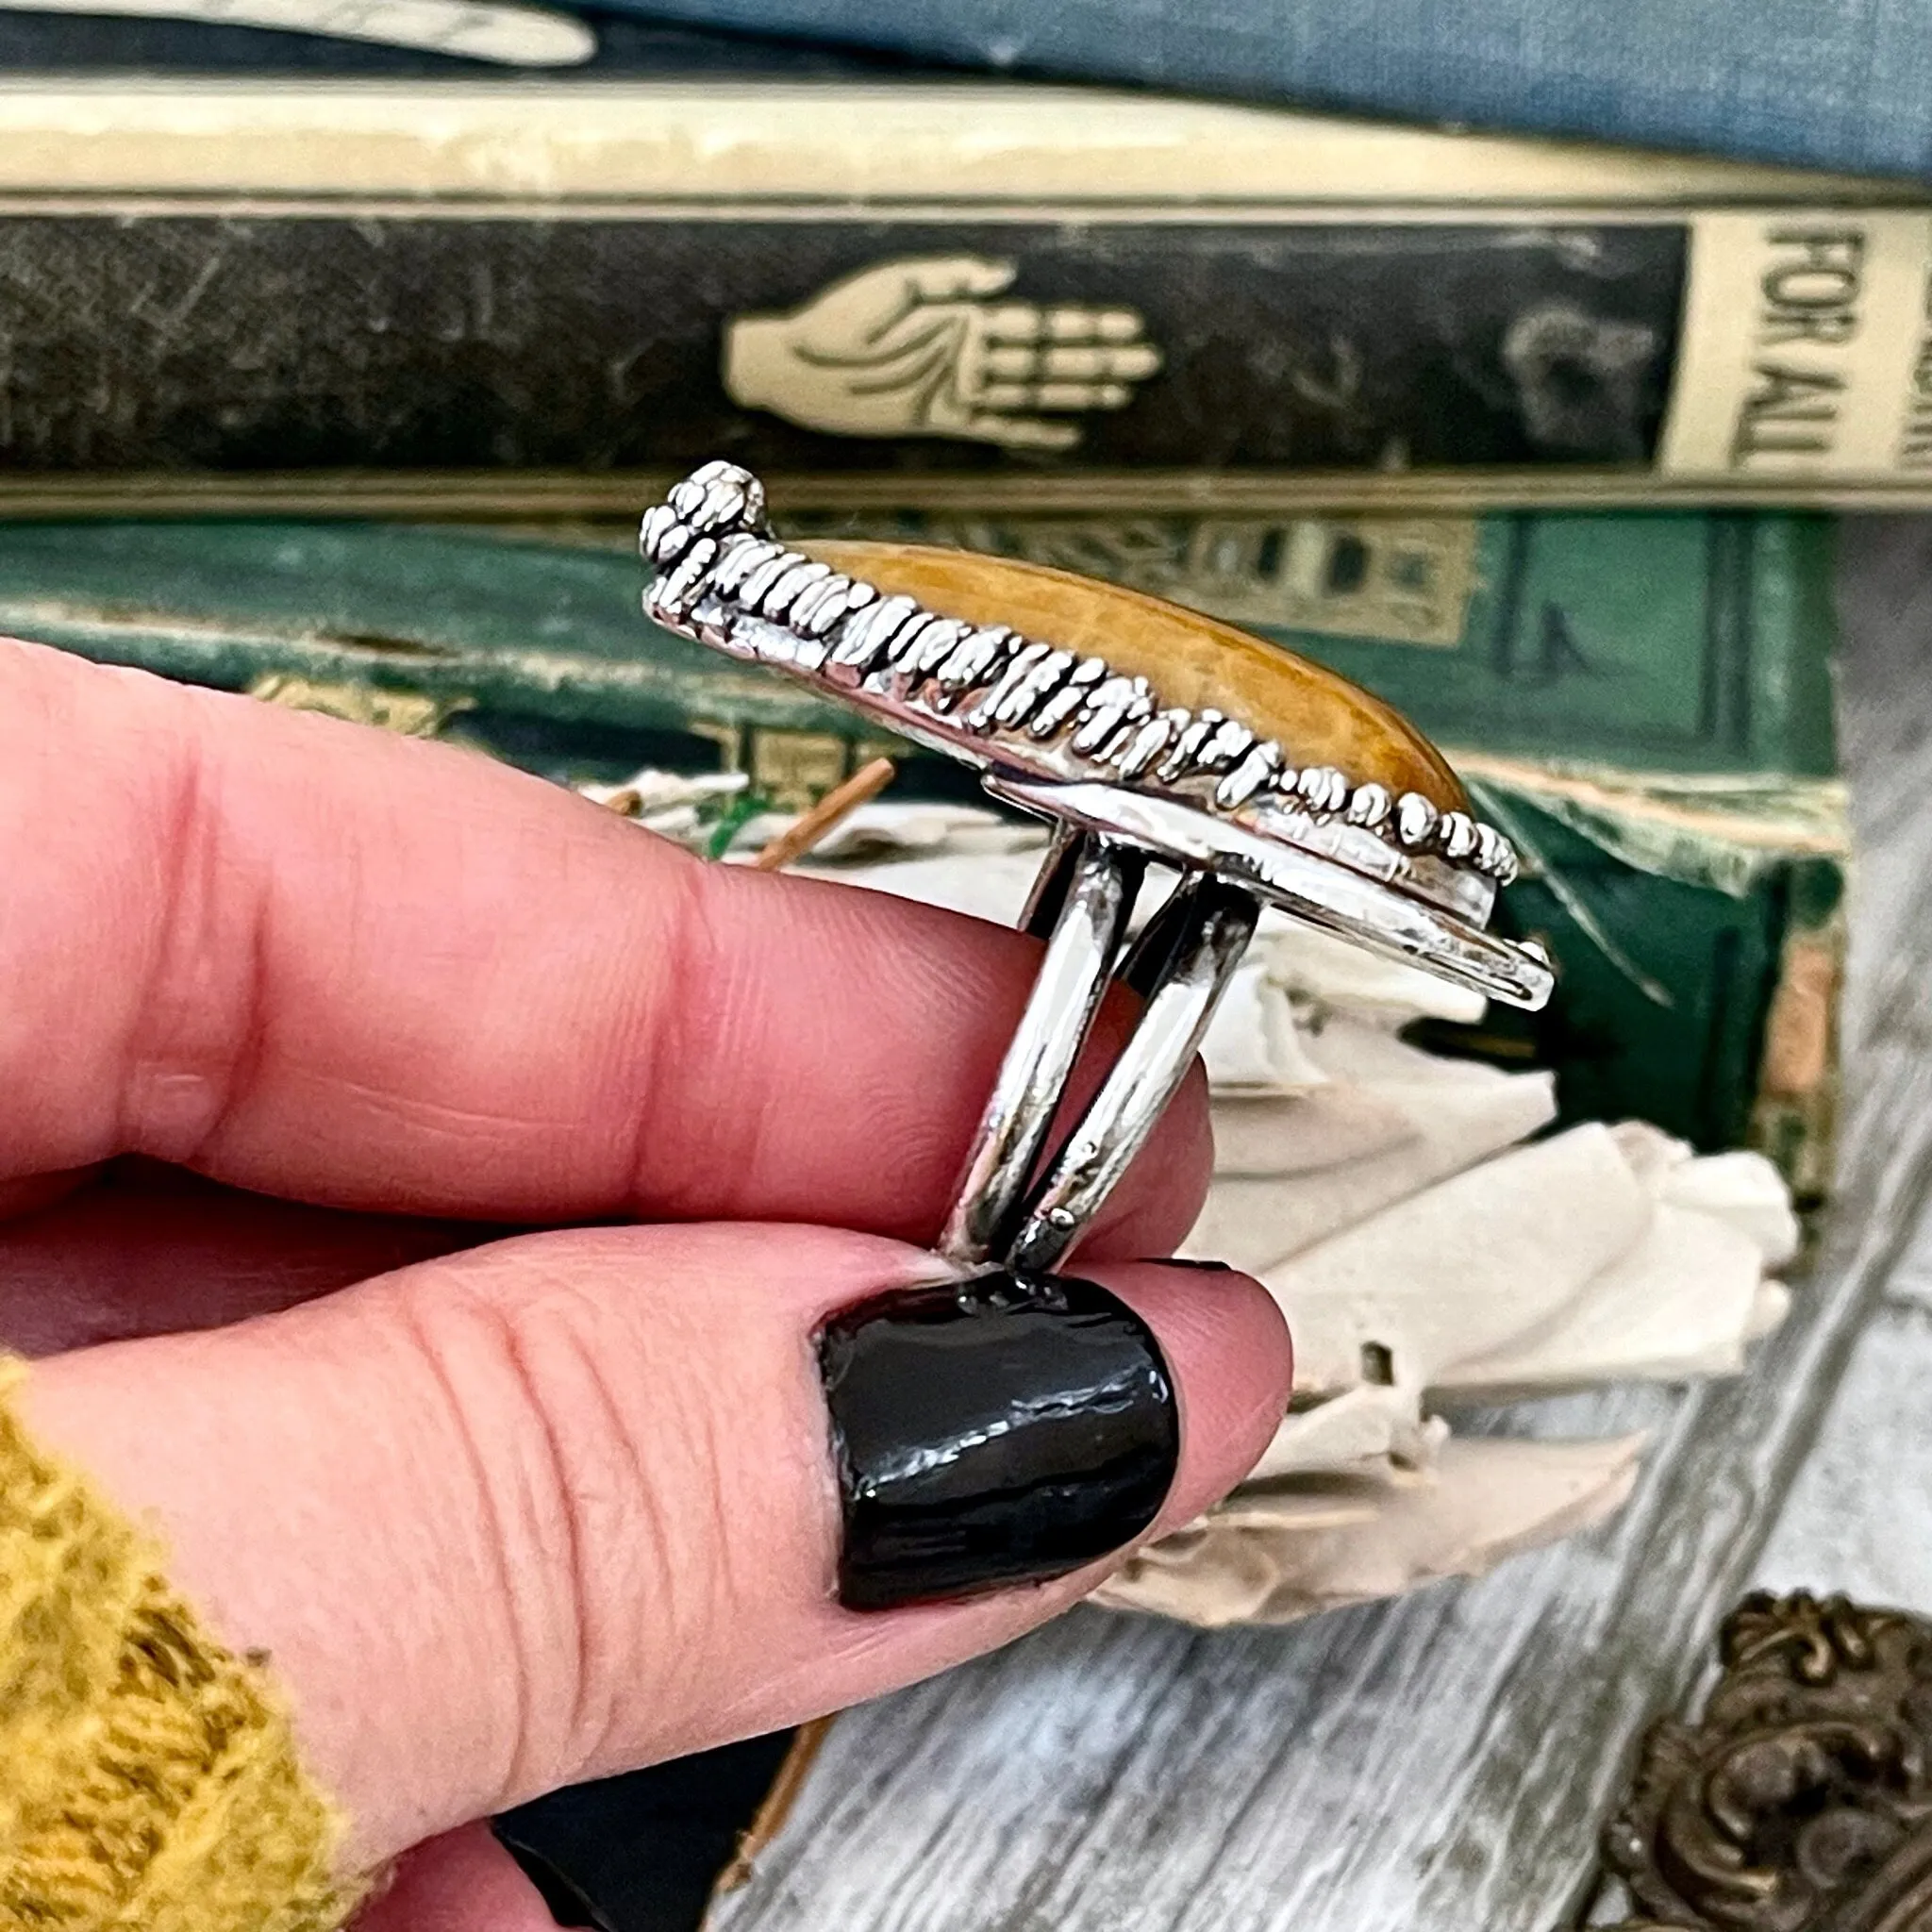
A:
x: 1127, y: 779
x: 1034, y: 717
x: 717, y: 559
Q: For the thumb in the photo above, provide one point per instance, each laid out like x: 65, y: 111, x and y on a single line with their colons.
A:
x: 949, y: 277
x: 577, y: 1501
x: 1022, y: 432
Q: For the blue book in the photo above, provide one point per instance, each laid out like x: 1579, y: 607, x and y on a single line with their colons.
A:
x: 1841, y: 84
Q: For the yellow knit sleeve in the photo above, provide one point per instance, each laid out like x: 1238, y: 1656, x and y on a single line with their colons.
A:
x: 148, y: 1776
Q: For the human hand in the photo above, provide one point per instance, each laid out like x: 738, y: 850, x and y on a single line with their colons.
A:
x: 915, y: 347
x: 295, y: 1020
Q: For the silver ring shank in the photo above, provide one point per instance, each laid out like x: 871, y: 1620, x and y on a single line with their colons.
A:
x: 1086, y: 889
x: 1181, y: 965
x: 1195, y: 943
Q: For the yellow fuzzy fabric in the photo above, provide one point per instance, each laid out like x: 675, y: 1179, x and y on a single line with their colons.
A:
x: 148, y: 1777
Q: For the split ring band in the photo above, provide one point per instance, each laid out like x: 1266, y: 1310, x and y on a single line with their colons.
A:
x: 1147, y: 734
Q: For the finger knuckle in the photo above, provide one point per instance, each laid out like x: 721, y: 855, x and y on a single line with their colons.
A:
x: 582, y: 1483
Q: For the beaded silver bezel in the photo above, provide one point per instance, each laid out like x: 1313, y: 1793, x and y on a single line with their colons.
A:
x: 1064, y: 735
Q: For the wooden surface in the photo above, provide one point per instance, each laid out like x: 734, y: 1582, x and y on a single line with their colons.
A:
x: 1444, y: 1762
x: 1859, y: 1518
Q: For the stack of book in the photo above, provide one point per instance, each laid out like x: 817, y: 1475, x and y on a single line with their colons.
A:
x: 336, y: 363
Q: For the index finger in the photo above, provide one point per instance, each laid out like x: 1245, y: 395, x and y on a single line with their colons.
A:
x: 314, y: 960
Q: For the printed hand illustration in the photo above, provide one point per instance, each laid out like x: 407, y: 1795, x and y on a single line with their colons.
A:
x: 917, y: 348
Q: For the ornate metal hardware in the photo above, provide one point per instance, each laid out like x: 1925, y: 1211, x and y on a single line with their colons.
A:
x: 1802, y: 1800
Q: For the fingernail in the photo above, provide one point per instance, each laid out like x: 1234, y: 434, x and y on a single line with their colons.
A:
x: 1188, y: 1261
x: 1000, y: 1430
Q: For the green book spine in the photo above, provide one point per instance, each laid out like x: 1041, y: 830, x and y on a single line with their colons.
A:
x: 1641, y: 699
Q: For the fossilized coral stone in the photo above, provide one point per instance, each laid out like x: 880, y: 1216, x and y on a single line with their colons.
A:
x: 1317, y: 717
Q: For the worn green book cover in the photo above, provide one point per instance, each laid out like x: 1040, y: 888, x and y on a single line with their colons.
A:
x: 1642, y: 700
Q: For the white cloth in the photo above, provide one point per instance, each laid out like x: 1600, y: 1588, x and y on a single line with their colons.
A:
x: 1271, y: 1555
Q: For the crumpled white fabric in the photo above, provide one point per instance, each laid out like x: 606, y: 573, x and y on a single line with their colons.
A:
x: 1427, y: 1240
x: 1274, y: 1553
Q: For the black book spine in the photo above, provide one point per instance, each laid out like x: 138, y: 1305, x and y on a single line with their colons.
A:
x: 233, y: 343
x: 1095, y: 347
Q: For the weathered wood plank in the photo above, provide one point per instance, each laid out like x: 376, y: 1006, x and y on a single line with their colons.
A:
x: 1859, y: 1517
x: 1444, y: 1761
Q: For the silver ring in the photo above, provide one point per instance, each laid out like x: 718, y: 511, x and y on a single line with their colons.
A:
x: 1080, y: 905
x: 1386, y: 854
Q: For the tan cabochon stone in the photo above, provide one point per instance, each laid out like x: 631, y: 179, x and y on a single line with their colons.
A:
x: 1318, y: 717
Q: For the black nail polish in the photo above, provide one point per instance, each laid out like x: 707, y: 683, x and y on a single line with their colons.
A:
x: 1188, y: 1261
x: 999, y: 1430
